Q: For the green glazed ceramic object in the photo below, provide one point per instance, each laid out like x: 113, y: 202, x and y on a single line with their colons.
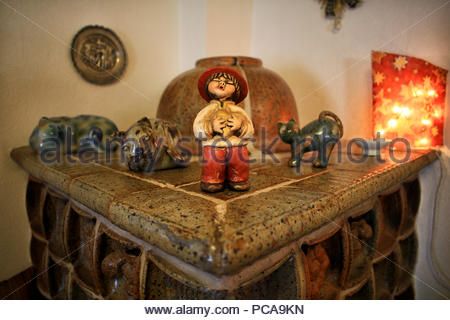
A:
x: 72, y: 135
x: 319, y: 135
x: 152, y: 144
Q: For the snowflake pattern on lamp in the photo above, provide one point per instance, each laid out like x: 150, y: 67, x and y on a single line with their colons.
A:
x: 408, y: 99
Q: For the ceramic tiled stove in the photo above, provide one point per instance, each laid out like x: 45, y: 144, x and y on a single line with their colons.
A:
x: 346, y: 232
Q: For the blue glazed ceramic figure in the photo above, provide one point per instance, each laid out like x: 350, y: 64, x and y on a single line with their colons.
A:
x: 319, y: 135
x: 71, y: 135
x: 152, y: 144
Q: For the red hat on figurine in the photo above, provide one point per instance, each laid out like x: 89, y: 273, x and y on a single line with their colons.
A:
x: 241, y: 90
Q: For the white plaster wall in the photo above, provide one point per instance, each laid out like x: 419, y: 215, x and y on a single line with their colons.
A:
x: 228, y: 27
x: 327, y: 70
x: 191, y: 32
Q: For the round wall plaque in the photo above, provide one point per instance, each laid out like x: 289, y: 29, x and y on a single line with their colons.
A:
x: 98, y: 55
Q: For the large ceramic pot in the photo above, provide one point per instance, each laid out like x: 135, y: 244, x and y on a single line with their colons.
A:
x: 269, y: 101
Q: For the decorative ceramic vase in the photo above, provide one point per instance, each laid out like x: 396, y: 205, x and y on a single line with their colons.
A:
x: 269, y: 101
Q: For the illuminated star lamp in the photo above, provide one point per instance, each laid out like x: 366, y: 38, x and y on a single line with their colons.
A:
x: 408, y: 99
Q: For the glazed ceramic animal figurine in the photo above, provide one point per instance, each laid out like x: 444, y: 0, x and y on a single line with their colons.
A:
x: 224, y: 129
x: 86, y: 132
x: 319, y: 135
x: 152, y: 144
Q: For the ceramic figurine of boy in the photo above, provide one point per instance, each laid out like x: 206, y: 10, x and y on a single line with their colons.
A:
x: 224, y: 129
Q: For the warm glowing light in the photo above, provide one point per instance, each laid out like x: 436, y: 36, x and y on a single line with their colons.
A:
x: 392, y: 123
x: 396, y: 109
x: 406, y: 112
x: 413, y: 110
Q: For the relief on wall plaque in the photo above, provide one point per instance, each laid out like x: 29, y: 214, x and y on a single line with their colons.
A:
x: 98, y: 55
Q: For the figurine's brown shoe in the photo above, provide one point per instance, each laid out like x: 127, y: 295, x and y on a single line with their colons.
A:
x: 211, y: 187
x: 239, y: 186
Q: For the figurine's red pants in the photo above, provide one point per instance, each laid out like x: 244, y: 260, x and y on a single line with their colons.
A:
x: 220, y: 164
